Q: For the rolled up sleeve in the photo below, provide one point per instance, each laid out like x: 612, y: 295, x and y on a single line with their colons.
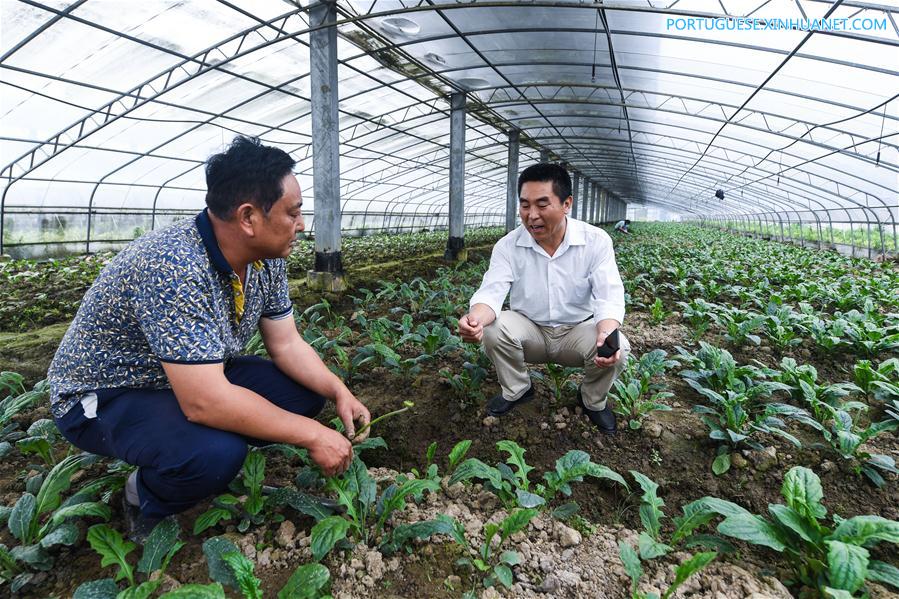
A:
x: 497, y: 280
x: 607, y: 290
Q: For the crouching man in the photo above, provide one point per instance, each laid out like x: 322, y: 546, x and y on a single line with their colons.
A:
x: 566, y: 299
x: 150, y: 370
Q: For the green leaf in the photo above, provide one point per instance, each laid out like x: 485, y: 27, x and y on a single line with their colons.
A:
x: 516, y: 521
x: 721, y: 464
x: 512, y: 558
x: 710, y: 542
x: 306, y: 582
x: 526, y: 499
x: 159, y: 542
x: 249, y: 585
x: 458, y: 452
x: 196, y: 591
x: 475, y: 468
x: 219, y: 571
x: 883, y: 573
x: 64, y: 534
x: 58, y: 480
x: 97, y: 589
x: 687, y: 569
x: 253, y: 475
x: 650, y: 510
x: 516, y: 458
x: 847, y: 565
x: 866, y: 530
x: 301, y: 502
x: 325, y: 535
x: 598, y: 471
x: 566, y: 511
x: 723, y: 507
x: 696, y: 514
x: 417, y: 530
x: 790, y: 519
x: 113, y: 550
x: 22, y: 517
x: 226, y: 500
x: 456, y: 530
x: 503, y: 574
x: 752, y: 529
x: 95, y: 509
x: 370, y: 443
x: 803, y: 492
x: 144, y: 590
x: 360, y: 484
x: 651, y: 548
x: 631, y: 563
x: 210, y: 518
x: 33, y: 555
x: 831, y: 593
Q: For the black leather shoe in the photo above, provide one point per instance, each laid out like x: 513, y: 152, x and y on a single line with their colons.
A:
x: 603, y: 419
x: 499, y: 405
x: 139, y: 526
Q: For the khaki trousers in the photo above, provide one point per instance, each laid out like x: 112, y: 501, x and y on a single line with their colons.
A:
x: 512, y: 340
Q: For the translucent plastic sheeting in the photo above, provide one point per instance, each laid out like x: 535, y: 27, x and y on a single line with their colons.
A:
x: 121, y: 107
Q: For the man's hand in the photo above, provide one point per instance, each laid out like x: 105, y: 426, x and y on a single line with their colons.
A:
x: 331, y: 451
x: 352, y: 412
x: 602, y: 332
x: 470, y: 329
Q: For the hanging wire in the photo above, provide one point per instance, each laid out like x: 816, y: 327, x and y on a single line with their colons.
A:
x: 595, y: 38
x: 883, y: 118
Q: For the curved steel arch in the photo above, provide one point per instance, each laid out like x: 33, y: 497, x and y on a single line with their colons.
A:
x: 597, y: 161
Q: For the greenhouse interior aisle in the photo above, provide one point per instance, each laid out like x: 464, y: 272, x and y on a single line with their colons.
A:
x: 740, y: 157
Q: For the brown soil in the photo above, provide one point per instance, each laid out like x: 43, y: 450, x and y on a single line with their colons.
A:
x: 678, y: 457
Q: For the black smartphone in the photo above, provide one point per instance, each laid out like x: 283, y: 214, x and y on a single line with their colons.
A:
x: 609, y: 347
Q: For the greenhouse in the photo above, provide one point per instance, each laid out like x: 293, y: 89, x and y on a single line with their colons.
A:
x: 605, y: 294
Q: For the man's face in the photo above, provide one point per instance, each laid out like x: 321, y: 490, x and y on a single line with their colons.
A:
x: 284, y: 221
x: 542, y: 211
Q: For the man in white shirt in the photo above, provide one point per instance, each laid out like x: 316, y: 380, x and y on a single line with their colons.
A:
x: 622, y: 225
x: 566, y: 298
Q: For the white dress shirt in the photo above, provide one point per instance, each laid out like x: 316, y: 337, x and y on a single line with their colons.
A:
x: 579, y: 281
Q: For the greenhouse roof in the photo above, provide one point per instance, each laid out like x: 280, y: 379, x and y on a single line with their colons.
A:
x: 788, y: 107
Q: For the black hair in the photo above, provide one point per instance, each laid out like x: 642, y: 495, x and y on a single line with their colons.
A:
x: 547, y: 172
x: 246, y: 172
x: 627, y: 222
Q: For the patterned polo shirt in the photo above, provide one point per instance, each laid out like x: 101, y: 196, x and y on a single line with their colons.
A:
x: 169, y: 296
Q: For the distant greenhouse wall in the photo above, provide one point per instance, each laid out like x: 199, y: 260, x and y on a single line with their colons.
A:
x: 43, y: 234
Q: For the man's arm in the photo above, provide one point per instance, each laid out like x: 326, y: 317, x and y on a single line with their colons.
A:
x: 206, y: 397
x: 607, y: 292
x: 296, y: 358
x: 603, y: 329
x: 487, y: 301
x: 471, y: 325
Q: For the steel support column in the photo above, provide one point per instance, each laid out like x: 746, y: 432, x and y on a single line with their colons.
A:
x: 594, y: 205
x: 512, y: 180
x: 327, y: 272
x: 585, y: 200
x: 603, y: 203
x: 544, y: 155
x: 575, y: 185
x: 455, y: 245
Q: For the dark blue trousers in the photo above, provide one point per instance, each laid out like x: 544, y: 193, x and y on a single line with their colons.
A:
x: 180, y: 462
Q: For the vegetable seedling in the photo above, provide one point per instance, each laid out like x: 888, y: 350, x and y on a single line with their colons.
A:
x: 405, y: 408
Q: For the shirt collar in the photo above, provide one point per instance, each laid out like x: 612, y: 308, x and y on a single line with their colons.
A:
x: 574, y: 235
x: 207, y: 234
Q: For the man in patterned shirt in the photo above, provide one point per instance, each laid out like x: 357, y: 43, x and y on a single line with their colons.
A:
x: 150, y: 370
